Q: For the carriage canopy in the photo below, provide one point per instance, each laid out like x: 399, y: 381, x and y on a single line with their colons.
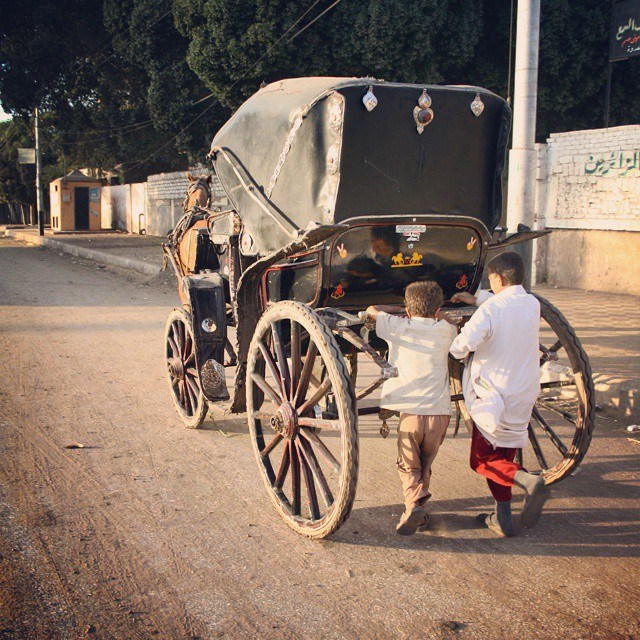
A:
x: 315, y: 150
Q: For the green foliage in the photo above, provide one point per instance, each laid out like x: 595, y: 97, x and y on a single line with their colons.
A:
x: 124, y: 83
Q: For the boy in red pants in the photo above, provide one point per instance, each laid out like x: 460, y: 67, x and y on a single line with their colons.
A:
x: 500, y: 386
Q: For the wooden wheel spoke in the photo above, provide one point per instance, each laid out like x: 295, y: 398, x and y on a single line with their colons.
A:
x: 295, y: 357
x: 177, y: 332
x: 535, y: 445
x: 267, y: 388
x: 193, y: 391
x: 559, y: 412
x: 312, y: 497
x: 322, y: 448
x: 295, y: 478
x: 311, y: 460
x: 555, y: 347
x: 284, y: 468
x: 315, y: 397
x: 271, y: 446
x: 191, y: 358
x: 320, y: 423
x: 184, y: 396
x: 270, y: 362
x: 557, y: 383
x: 174, y: 346
x: 306, y: 373
x: 193, y: 372
x: 544, y: 425
x: 281, y: 358
x: 193, y: 385
x: 187, y: 345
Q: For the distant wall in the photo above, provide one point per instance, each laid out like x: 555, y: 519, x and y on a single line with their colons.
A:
x: 114, y: 207
x: 165, y: 195
x: 588, y: 193
x: 137, y: 207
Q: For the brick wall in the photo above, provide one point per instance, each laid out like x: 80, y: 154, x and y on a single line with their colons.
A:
x: 594, y: 179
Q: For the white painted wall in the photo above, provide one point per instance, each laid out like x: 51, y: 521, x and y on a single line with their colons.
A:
x: 593, y: 180
x: 114, y: 207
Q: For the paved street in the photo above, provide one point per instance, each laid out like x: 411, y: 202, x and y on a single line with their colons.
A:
x: 152, y: 530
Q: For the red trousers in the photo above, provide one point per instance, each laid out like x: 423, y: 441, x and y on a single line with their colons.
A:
x: 495, y: 464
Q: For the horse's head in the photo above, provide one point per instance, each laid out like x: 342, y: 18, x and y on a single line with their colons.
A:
x: 198, y: 193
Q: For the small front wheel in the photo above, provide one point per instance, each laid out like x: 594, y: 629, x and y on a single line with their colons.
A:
x: 182, y: 372
x: 302, y: 418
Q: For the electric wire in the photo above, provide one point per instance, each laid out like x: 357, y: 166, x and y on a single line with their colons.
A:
x: 241, y: 77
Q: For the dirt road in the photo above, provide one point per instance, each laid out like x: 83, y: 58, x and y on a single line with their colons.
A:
x: 151, y: 530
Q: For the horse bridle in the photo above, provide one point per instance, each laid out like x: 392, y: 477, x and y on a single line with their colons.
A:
x: 200, y: 182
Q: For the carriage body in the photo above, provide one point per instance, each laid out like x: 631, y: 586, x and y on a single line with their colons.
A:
x: 342, y: 192
x: 413, y: 201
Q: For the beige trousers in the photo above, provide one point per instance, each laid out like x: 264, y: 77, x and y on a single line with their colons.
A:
x: 419, y: 438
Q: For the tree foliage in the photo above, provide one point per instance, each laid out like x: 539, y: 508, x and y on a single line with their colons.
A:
x: 140, y: 86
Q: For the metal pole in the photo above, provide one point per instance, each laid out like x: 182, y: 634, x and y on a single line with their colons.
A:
x: 607, y: 96
x: 39, y: 192
x: 522, y: 157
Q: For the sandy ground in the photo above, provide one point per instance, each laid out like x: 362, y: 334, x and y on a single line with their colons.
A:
x: 151, y: 530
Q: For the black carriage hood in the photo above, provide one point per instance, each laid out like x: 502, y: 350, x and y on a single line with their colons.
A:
x: 314, y: 150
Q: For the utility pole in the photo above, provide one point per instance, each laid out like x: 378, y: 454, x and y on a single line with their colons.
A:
x: 522, y: 156
x: 39, y: 192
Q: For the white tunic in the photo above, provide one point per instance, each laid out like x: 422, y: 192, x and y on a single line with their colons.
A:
x: 501, y: 380
x: 419, y: 348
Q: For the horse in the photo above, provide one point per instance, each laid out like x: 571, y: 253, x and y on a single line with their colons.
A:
x: 198, y: 192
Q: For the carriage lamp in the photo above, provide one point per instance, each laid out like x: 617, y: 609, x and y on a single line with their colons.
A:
x: 369, y: 100
x: 209, y: 326
x: 423, y: 114
x: 477, y: 106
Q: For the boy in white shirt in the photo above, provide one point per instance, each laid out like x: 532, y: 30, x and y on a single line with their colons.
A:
x: 500, y: 386
x: 419, y: 349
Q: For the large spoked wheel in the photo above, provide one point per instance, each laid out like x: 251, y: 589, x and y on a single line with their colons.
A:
x: 563, y: 418
x: 182, y: 374
x: 302, y: 419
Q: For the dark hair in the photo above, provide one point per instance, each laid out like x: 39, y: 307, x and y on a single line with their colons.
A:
x: 423, y: 299
x: 509, y: 266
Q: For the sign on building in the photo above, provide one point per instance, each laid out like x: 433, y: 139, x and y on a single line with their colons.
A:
x: 26, y: 156
x: 624, y: 41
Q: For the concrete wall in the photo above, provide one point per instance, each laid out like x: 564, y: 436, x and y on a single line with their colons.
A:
x: 588, y: 193
x: 137, y: 207
x: 114, y: 207
x: 165, y: 193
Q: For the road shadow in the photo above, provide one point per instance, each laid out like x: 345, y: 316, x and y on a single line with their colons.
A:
x: 581, y: 531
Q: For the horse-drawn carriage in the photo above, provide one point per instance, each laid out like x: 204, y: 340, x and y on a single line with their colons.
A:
x: 342, y: 192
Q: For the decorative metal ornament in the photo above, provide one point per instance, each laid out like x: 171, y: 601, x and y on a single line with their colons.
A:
x: 424, y: 101
x: 423, y: 114
x: 477, y: 106
x: 247, y: 246
x: 369, y: 100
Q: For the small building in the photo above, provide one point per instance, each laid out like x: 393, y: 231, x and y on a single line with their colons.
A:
x: 75, y: 202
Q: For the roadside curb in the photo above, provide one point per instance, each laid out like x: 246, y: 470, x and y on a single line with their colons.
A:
x: 83, y: 252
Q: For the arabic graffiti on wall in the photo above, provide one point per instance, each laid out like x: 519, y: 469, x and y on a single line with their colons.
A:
x: 618, y: 163
x: 624, y: 41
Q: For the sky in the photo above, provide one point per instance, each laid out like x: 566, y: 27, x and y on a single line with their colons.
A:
x: 3, y: 115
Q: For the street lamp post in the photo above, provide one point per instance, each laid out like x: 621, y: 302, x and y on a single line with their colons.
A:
x: 39, y: 191
x: 522, y: 156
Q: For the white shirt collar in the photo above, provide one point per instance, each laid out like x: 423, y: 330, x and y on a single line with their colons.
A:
x: 513, y: 290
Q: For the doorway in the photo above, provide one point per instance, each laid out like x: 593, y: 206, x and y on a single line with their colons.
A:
x: 81, y: 208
